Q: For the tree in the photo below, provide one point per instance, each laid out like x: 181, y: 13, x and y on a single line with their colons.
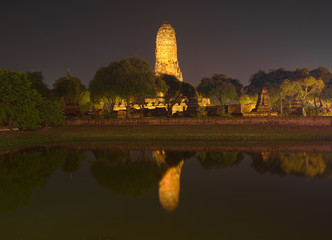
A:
x: 171, y: 92
x: 37, y: 82
x: 325, y: 75
x: 219, y: 87
x: 136, y: 82
x: 301, y: 89
x: 235, y: 82
x: 105, y: 86
x: 23, y: 107
x: 188, y: 90
x: 68, y: 87
x: 322, y: 73
x: 84, y: 101
x: 18, y: 101
x: 272, y: 82
x: 50, y: 113
x: 275, y: 78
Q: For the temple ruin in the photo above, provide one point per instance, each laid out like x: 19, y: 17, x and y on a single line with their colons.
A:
x: 262, y: 108
x: 166, y: 52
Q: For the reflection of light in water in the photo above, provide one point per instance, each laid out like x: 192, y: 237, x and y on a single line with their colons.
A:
x: 159, y: 156
x: 169, y: 188
x: 265, y: 156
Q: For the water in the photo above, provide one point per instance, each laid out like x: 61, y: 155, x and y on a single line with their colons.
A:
x: 120, y: 194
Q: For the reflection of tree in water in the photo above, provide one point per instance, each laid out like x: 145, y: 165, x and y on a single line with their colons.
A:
x: 300, y: 164
x: 129, y: 173
x: 136, y: 173
x: 22, y: 172
x: 328, y: 163
x: 72, y: 161
x: 219, y: 159
x: 173, y: 158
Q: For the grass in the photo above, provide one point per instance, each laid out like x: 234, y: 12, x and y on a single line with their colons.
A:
x: 158, y: 135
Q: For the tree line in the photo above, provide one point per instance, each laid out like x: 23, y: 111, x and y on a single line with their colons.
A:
x: 27, y: 102
x: 302, y: 85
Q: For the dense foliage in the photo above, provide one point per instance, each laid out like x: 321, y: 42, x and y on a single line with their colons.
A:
x: 130, y: 79
x: 302, y: 84
x: 22, y: 106
x: 301, y: 89
x: 222, y: 88
x: 174, y: 91
x: 69, y: 87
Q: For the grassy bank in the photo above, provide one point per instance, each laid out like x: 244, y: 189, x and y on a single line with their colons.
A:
x: 178, y: 135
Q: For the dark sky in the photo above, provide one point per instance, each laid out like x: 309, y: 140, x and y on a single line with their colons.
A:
x: 237, y: 38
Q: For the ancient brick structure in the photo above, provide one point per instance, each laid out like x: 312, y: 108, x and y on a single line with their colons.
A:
x: 166, y: 52
x: 263, y: 101
x: 262, y: 107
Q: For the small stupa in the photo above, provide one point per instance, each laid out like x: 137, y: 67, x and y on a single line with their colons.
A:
x: 263, y: 106
x: 263, y: 103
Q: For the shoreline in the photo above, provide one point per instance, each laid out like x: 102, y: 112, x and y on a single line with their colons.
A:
x: 253, y: 147
x: 173, y: 135
x: 234, y: 121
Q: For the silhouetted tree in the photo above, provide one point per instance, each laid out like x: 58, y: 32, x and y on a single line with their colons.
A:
x: 220, y: 87
x: 37, y: 82
x: 172, y: 91
x: 68, y: 87
x: 136, y: 82
x: 105, y: 85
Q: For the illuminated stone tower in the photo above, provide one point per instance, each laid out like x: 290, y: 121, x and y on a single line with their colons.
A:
x: 166, y: 52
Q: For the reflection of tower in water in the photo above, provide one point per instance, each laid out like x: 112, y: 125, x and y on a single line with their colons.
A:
x: 169, y: 188
x: 169, y: 185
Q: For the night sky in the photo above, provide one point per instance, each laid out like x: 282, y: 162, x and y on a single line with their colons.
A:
x: 237, y: 38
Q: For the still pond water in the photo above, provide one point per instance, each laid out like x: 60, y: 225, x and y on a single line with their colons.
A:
x: 71, y: 194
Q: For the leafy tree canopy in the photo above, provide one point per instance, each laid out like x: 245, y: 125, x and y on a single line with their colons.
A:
x: 106, y: 83
x: 172, y: 91
x: 220, y: 87
x: 22, y: 106
x: 37, y: 82
x: 18, y: 101
x: 273, y: 80
x: 302, y: 89
x: 137, y: 82
x: 131, y: 79
x: 69, y: 87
